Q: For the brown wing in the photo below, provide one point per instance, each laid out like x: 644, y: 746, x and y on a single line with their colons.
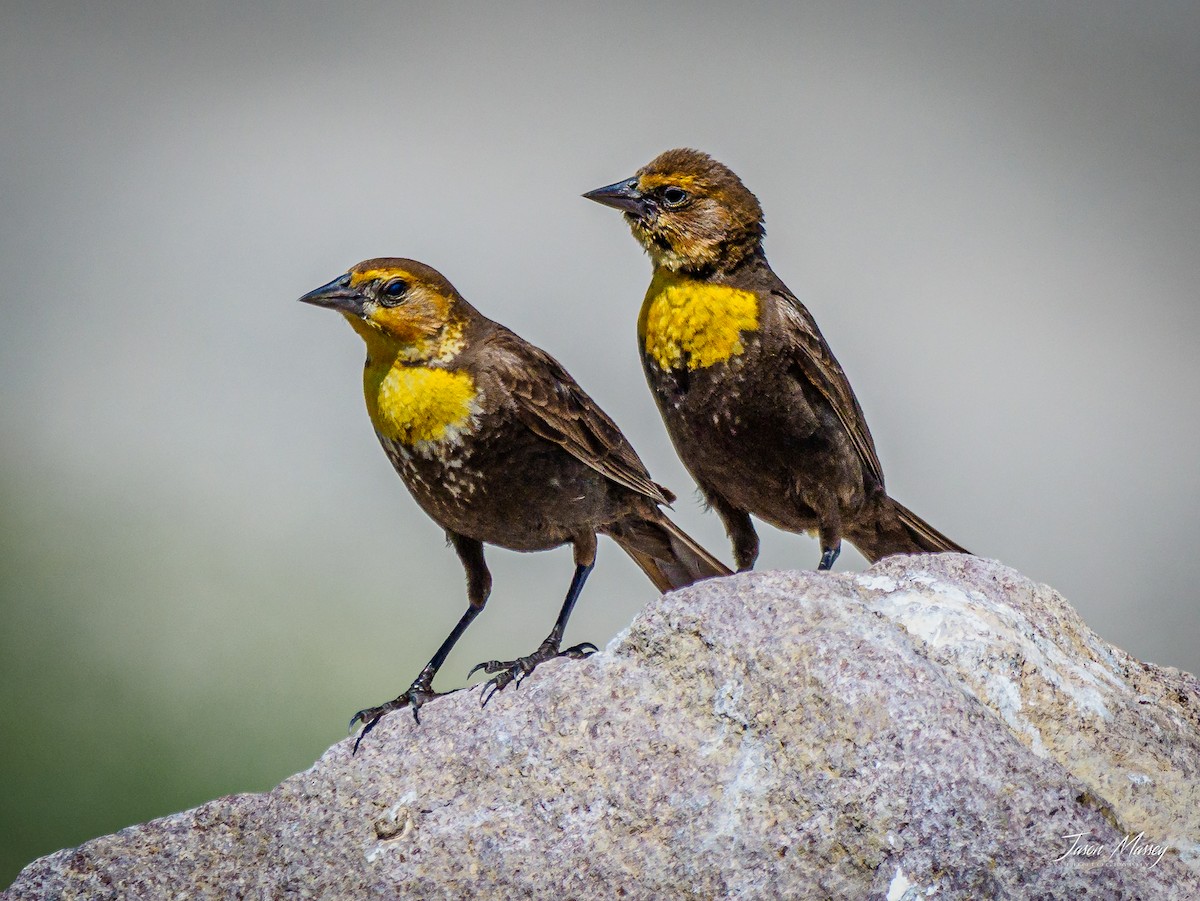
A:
x: 823, y: 372
x: 550, y: 403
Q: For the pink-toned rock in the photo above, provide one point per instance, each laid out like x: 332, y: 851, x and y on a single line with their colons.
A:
x: 934, y: 727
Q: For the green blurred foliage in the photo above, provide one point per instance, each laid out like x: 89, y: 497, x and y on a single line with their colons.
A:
x: 125, y: 695
x: 160, y: 651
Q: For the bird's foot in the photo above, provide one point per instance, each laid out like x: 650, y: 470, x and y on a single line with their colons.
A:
x: 509, y: 671
x: 829, y: 555
x: 415, y: 697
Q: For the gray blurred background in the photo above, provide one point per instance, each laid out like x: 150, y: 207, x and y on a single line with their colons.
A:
x: 992, y: 209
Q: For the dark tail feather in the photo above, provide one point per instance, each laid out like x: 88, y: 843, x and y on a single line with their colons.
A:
x: 897, y: 530
x: 666, y: 553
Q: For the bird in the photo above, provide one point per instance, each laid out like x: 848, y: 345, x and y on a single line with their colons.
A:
x: 757, y: 406
x: 498, y: 445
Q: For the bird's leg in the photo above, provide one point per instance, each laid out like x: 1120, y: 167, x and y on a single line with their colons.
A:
x: 421, y: 691
x: 830, y: 533
x: 479, y: 585
x: 828, y: 556
x: 507, y: 671
x: 740, y: 530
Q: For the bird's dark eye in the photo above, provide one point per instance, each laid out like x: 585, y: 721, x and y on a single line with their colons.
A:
x: 674, y: 196
x: 393, y: 292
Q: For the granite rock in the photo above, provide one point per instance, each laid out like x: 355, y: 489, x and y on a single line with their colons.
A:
x: 937, y: 726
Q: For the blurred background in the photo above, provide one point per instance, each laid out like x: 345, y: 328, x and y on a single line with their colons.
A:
x: 206, y: 562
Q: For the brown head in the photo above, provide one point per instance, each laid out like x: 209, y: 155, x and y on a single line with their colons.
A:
x: 690, y: 212
x: 399, y: 304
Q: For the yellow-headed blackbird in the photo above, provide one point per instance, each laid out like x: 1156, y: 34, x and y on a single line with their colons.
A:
x: 499, y: 445
x: 759, y: 410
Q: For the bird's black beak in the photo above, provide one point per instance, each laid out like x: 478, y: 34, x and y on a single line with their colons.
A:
x: 337, y: 295
x: 624, y: 196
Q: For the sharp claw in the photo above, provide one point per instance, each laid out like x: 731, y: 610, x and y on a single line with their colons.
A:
x: 497, y: 684
x: 514, y: 672
x: 579, y: 651
x: 489, y: 691
x: 365, y: 731
x: 417, y: 695
x: 488, y: 666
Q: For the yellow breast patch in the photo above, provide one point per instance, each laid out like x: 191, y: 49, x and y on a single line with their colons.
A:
x: 693, y: 323
x: 414, y: 404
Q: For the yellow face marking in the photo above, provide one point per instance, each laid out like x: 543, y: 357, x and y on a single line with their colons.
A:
x: 684, y: 322
x: 370, y: 275
x: 650, y: 182
x: 415, y: 404
x: 422, y: 327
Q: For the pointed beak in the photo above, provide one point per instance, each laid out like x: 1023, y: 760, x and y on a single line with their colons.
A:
x: 337, y: 295
x: 624, y: 196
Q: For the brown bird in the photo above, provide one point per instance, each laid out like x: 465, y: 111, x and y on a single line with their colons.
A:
x: 757, y: 406
x: 499, y: 445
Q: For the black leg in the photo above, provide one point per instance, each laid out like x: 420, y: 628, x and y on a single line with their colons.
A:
x: 829, y: 533
x: 560, y: 624
x: 740, y: 530
x: 479, y: 585
x: 508, y: 671
x: 421, y: 691
x: 828, y: 555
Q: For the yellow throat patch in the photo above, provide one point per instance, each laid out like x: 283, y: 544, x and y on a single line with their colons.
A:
x: 689, y: 322
x: 414, y: 404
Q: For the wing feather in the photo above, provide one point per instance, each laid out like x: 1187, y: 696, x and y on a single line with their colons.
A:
x: 823, y: 372
x: 551, y: 404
